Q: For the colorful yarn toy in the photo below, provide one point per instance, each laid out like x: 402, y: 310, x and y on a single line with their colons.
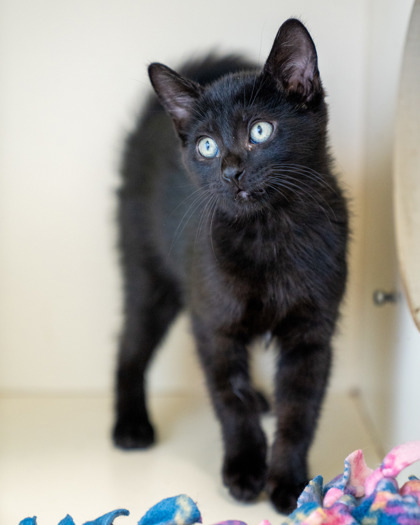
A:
x: 358, y: 496
x: 362, y: 495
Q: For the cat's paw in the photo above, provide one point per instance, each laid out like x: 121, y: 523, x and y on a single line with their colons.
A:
x: 284, y: 493
x: 245, y: 476
x: 132, y: 434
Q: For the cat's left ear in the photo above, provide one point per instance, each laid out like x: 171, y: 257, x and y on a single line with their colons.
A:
x: 293, y: 62
x: 176, y: 93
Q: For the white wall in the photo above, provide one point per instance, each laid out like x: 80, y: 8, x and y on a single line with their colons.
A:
x: 390, y: 341
x: 72, y: 75
x: 406, y: 176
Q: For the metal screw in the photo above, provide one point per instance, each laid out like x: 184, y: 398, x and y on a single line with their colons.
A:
x: 380, y: 297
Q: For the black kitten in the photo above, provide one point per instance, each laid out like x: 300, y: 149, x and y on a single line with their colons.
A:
x: 242, y: 222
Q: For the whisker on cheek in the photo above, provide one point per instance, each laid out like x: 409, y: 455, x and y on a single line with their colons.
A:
x: 199, y: 197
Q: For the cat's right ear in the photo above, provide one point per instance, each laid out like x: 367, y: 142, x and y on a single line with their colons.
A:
x: 293, y: 63
x: 176, y: 93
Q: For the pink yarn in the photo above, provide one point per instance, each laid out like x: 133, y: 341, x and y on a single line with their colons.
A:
x: 397, y: 460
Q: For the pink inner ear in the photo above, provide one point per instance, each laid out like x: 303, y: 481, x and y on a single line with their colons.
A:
x: 301, y: 78
x: 177, y: 94
x: 180, y: 106
x: 293, y: 61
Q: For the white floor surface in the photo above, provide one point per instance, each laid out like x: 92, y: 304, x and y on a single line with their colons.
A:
x: 56, y: 458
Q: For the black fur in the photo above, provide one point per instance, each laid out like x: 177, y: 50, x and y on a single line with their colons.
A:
x: 250, y: 241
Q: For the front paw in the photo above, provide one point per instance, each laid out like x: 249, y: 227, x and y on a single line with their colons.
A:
x: 244, y: 475
x: 131, y: 433
x: 284, y: 492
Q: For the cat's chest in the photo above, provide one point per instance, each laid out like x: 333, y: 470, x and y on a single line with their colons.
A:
x: 264, y: 252
x: 266, y: 271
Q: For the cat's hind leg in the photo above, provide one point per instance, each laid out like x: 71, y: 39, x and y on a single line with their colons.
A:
x: 151, y: 304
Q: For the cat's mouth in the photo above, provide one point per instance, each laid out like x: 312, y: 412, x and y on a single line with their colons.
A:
x: 242, y: 195
x: 245, y: 195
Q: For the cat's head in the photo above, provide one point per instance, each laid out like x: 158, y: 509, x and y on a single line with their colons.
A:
x: 251, y: 138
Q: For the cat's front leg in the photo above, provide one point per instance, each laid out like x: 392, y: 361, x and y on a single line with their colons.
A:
x: 237, y: 406
x: 300, y: 386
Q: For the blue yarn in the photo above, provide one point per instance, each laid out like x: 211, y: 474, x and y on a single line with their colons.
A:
x: 107, y: 519
x: 68, y: 520
x: 28, y: 521
x: 172, y: 511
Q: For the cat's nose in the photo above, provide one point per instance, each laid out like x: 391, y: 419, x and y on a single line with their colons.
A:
x: 232, y: 174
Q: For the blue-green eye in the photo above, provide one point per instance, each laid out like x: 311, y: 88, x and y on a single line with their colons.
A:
x: 260, y: 132
x: 208, y: 148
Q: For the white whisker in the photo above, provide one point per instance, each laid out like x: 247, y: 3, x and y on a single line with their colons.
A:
x: 199, y: 197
